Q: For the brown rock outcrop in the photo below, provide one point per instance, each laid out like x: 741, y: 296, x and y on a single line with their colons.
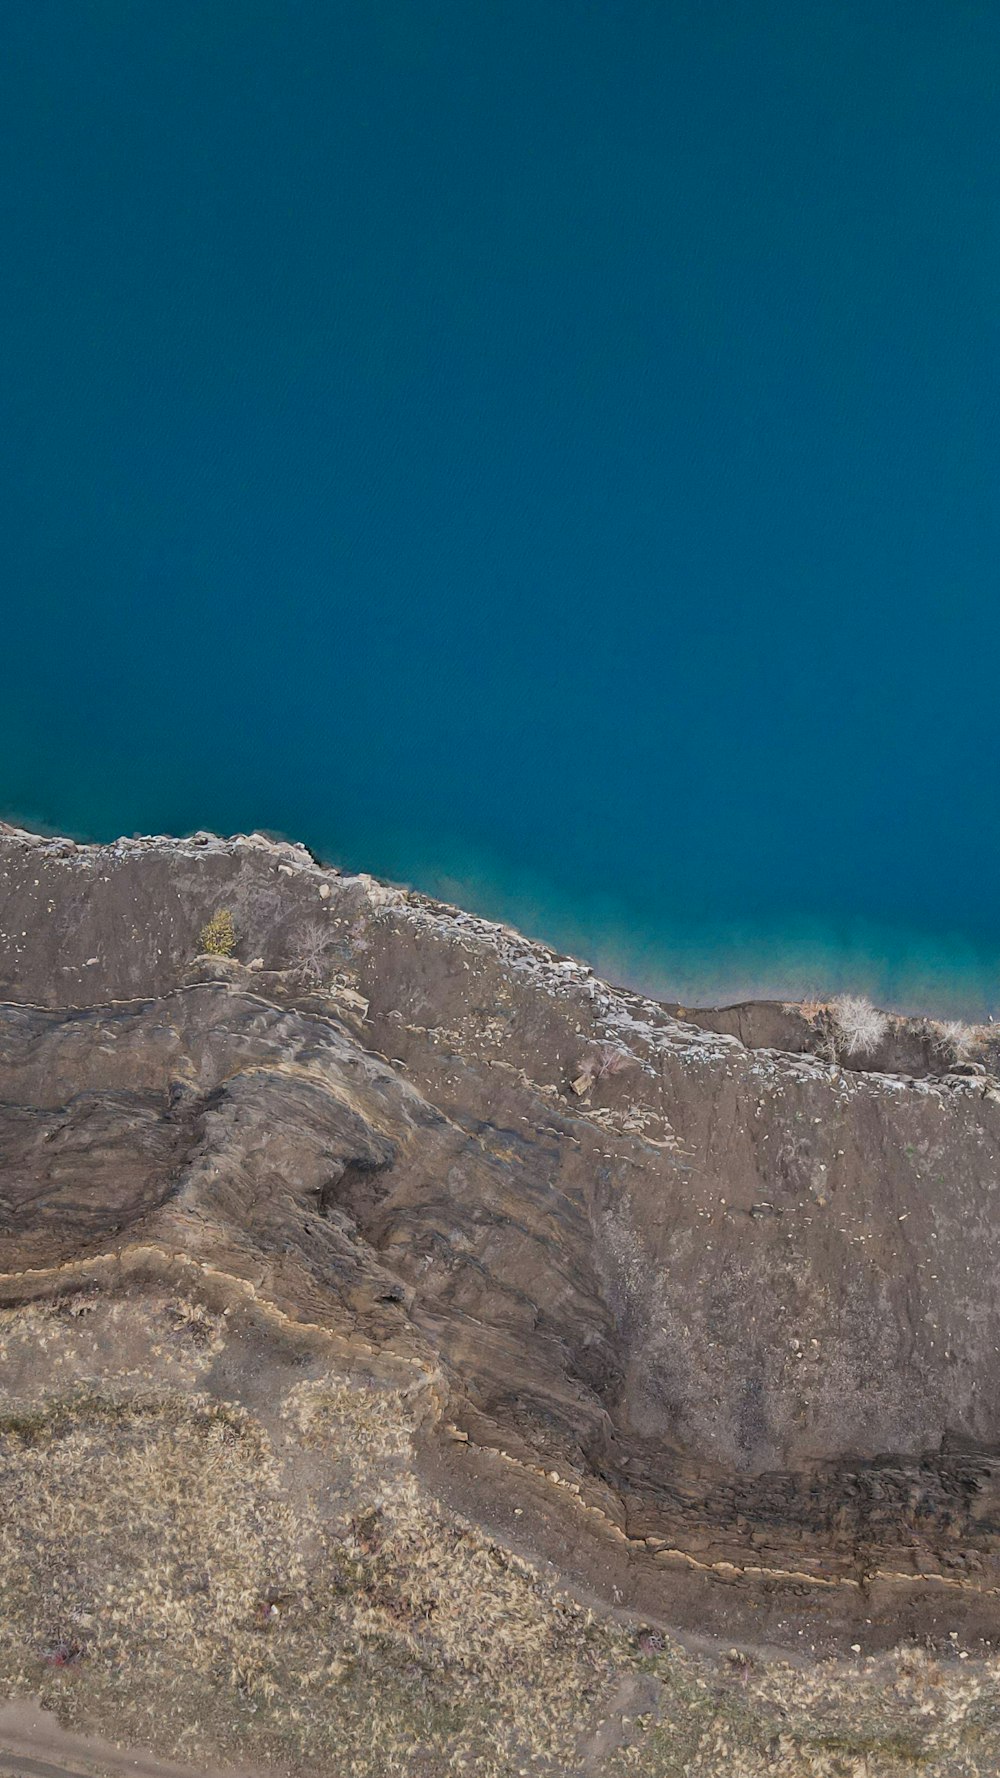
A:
x: 731, y: 1313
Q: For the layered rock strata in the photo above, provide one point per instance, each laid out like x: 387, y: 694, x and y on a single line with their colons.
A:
x: 734, y: 1310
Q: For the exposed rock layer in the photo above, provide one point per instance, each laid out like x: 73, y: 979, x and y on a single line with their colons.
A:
x: 732, y: 1314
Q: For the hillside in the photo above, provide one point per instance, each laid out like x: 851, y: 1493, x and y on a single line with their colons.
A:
x: 419, y: 1355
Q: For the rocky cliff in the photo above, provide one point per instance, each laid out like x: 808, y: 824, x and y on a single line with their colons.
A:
x: 682, y: 1315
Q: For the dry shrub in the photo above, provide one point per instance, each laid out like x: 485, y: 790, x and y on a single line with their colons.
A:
x: 602, y: 1063
x: 859, y: 1027
x: 313, y: 952
x: 959, y: 1041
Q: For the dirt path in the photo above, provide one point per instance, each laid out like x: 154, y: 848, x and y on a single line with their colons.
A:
x: 19, y: 1767
x: 32, y: 1745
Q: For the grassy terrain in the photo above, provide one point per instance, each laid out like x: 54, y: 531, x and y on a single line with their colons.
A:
x: 267, y: 1581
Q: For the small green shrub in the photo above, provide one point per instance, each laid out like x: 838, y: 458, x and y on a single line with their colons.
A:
x: 218, y: 938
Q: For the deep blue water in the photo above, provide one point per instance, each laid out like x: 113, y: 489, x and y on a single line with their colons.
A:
x: 543, y: 450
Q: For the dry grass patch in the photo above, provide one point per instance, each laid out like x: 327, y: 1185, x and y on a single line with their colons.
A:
x: 180, y: 1573
x: 279, y: 1588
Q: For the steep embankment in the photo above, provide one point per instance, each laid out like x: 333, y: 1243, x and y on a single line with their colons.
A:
x: 713, y: 1328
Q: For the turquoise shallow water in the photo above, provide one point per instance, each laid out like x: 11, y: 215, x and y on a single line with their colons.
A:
x: 545, y: 454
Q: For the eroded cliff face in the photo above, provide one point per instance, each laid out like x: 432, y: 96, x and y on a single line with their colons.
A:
x: 712, y: 1328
